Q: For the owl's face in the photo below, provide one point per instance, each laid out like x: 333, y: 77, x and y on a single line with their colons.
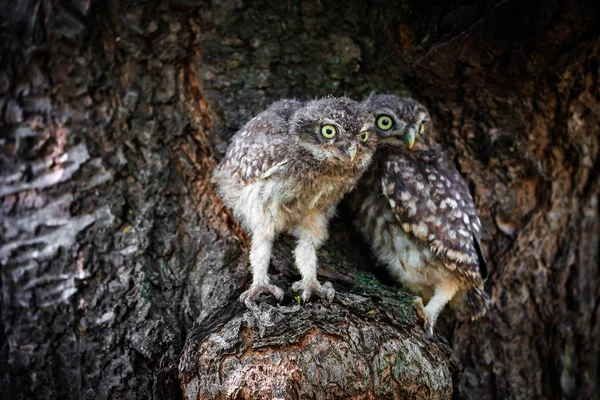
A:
x: 400, y: 121
x: 336, y: 131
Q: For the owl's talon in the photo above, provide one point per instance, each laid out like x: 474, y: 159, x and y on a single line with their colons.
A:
x: 249, y: 296
x: 423, y: 316
x: 308, y: 288
x: 428, y: 327
x: 419, y: 309
x: 429, y: 324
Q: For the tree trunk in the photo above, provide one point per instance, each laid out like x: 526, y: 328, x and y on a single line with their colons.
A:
x: 120, y: 268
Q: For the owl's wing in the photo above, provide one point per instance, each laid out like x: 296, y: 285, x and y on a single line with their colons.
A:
x: 259, y: 149
x: 432, y: 203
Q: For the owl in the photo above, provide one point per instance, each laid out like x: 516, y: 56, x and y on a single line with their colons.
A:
x: 285, y: 171
x: 415, y: 210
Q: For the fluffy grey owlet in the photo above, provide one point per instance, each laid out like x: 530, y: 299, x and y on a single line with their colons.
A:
x: 415, y: 210
x: 285, y: 171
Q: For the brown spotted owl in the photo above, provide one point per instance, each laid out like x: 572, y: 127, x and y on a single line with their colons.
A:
x: 416, y: 211
x: 285, y: 171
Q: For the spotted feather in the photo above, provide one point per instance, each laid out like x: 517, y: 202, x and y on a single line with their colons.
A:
x: 247, y: 157
x: 433, y: 204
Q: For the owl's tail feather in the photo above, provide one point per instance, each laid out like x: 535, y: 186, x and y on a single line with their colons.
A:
x: 476, y: 302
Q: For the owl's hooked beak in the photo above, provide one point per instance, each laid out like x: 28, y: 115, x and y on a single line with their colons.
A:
x: 409, y: 137
x: 352, y: 151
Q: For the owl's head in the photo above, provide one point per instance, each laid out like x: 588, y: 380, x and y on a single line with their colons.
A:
x: 400, y: 121
x: 336, y: 131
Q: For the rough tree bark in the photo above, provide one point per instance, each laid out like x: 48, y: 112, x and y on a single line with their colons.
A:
x: 120, y: 268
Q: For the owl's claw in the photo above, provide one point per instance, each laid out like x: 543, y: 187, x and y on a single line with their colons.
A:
x: 428, y: 326
x: 250, y: 295
x: 419, y: 309
x: 423, y: 316
x: 310, y: 287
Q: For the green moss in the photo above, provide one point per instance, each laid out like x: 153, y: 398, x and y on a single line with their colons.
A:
x: 366, y: 278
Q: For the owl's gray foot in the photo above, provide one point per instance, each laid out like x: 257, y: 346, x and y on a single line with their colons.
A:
x: 312, y: 286
x: 250, y: 295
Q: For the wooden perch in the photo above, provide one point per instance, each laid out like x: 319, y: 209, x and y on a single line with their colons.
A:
x: 364, y: 345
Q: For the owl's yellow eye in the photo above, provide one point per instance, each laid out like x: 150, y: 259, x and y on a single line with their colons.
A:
x: 364, y: 137
x: 384, y: 122
x: 421, y: 128
x: 328, y: 131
